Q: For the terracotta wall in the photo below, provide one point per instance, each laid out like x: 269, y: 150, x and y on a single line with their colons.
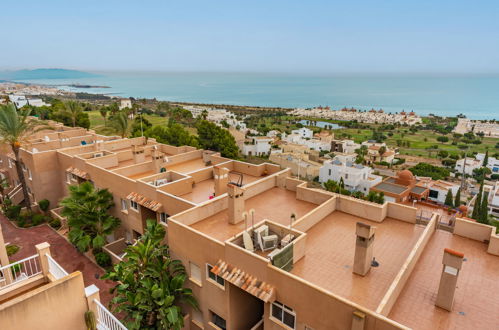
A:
x: 494, y: 245
x: 473, y: 230
x: 258, y: 187
x: 405, y: 271
x: 314, y: 196
x: 367, y: 210
x: 401, y: 212
x: 35, y: 309
x: 316, y: 215
x: 203, y: 211
x: 317, y: 308
x: 202, y: 174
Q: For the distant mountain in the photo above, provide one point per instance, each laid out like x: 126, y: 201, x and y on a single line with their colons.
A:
x: 45, y: 74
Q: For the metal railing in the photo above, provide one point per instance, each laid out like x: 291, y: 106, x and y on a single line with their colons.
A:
x: 106, y: 320
x: 20, y: 270
x: 55, y: 269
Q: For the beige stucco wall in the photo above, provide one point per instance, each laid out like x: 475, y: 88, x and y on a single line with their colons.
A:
x: 405, y: 271
x: 57, y: 305
x: 473, y: 230
x: 401, y: 212
x: 367, y: 210
x: 316, y: 215
x: 494, y: 245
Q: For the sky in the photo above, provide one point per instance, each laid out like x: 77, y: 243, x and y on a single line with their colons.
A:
x: 256, y: 36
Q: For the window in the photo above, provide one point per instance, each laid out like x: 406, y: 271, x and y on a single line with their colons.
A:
x: 195, y: 273
x: 30, y: 176
x: 433, y: 194
x: 283, y: 314
x: 163, y: 217
x: 124, y: 205
x: 219, y: 280
x: 346, y: 175
x: 134, y: 205
x: 218, y: 321
x: 329, y: 172
x: 68, y: 177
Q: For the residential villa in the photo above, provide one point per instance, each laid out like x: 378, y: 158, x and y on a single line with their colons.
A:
x: 492, y: 199
x: 257, y: 146
x: 373, y: 152
x: 492, y: 163
x: 305, y: 136
x: 21, y: 100
x: 405, y: 187
x: 464, y: 125
x: 125, y: 103
x: 262, y: 249
x: 371, y: 116
x: 356, y: 177
x: 344, y: 146
x: 471, y: 164
x: 300, y: 164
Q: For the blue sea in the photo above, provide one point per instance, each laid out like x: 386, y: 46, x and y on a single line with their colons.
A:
x: 475, y: 96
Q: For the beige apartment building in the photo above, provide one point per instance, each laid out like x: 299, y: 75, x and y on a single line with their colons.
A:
x: 264, y: 251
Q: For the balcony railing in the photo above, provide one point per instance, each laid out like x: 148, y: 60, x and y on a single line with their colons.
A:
x: 55, y: 269
x: 20, y: 270
x: 106, y: 320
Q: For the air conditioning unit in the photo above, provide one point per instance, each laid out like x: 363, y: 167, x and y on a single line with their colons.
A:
x: 160, y: 182
x: 269, y: 242
x: 99, y: 154
x: 258, y: 233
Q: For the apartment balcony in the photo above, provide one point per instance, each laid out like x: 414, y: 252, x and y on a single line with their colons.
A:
x: 40, y: 285
x: 117, y: 249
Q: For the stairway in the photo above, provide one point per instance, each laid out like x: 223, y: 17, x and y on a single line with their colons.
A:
x: 16, y: 195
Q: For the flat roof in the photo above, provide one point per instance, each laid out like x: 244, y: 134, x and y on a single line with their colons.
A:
x: 202, y: 191
x: 418, y: 190
x: 390, y: 187
x: 275, y: 204
x: 329, y: 256
x: 476, y: 302
x: 187, y: 166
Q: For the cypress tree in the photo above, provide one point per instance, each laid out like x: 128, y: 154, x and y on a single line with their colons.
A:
x: 457, y: 200
x: 484, y: 213
x: 486, y: 159
x: 476, y: 208
x: 448, y: 198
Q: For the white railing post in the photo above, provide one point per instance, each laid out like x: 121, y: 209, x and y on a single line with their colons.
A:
x: 92, y: 295
x: 43, y: 249
x: 55, y: 269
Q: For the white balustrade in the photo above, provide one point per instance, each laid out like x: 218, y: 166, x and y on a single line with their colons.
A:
x: 55, y: 269
x: 20, y: 270
x: 106, y: 320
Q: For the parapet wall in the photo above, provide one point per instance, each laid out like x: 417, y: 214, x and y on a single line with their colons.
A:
x: 405, y: 271
x: 479, y: 232
x: 367, y: 210
x: 401, y: 212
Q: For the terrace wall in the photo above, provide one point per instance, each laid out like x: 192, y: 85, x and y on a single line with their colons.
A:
x: 401, y: 212
x: 473, y: 230
x: 35, y: 309
x: 405, y: 272
x: 316, y: 215
x: 363, y: 209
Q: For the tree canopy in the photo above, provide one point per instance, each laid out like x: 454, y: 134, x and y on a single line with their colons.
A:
x: 151, y: 284
x: 87, y: 211
x: 216, y: 138
x: 425, y: 169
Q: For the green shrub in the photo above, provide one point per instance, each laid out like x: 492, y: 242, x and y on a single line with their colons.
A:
x: 37, y: 219
x: 494, y: 176
x: 21, y: 222
x: 12, y: 212
x: 103, y: 259
x: 55, y: 223
x: 44, y: 205
x: 12, y: 249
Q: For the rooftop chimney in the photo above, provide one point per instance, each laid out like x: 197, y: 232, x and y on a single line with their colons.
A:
x: 157, y: 160
x: 236, y: 203
x: 363, y: 248
x: 452, y: 262
x: 138, y: 154
x: 221, y: 175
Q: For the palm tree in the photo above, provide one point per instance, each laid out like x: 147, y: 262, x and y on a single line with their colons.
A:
x: 120, y: 124
x: 103, y: 112
x: 15, y: 127
x: 87, y: 211
x: 73, y: 108
x: 151, y: 288
x: 204, y: 114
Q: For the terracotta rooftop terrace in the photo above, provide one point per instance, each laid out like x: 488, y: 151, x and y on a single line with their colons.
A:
x: 187, y: 166
x: 202, y: 191
x: 476, y: 303
x: 330, y: 252
x: 275, y: 204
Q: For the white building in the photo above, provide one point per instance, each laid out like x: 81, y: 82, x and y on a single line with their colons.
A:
x: 125, y: 103
x: 493, y: 200
x: 356, y: 177
x: 304, y: 132
x: 21, y: 100
x: 492, y: 163
x: 344, y: 146
x: 471, y: 164
x: 438, y: 190
x: 259, y: 146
